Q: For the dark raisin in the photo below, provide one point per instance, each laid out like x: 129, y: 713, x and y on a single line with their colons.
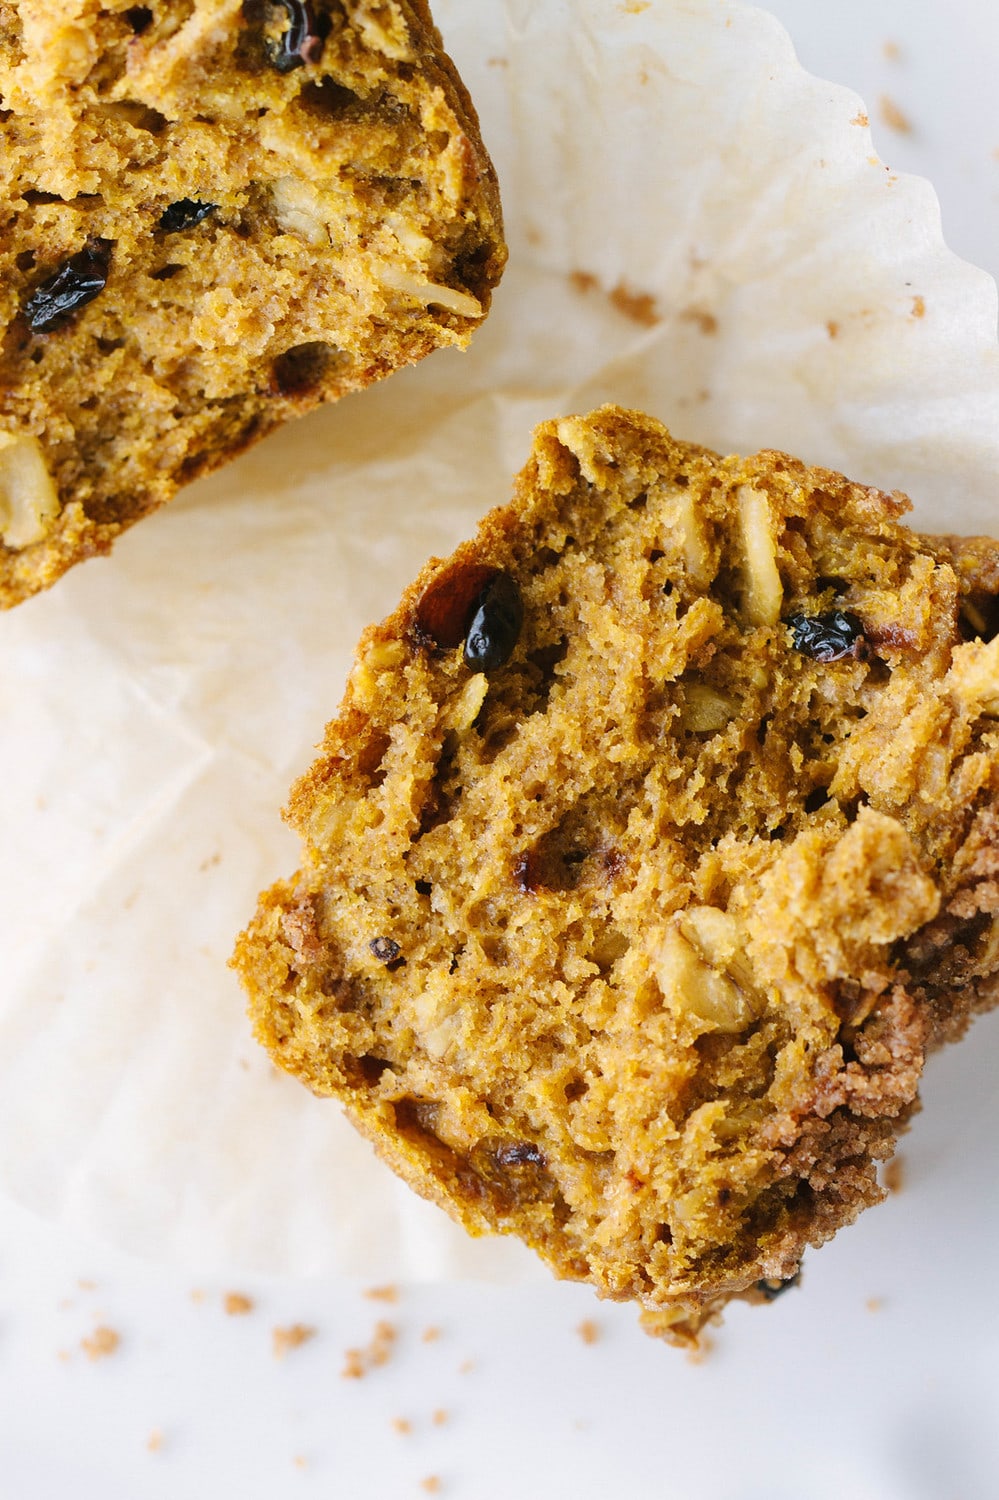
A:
x: 71, y: 287
x: 423, y: 887
x: 302, y: 42
x: 520, y: 1154
x: 495, y: 625
x: 828, y: 637
x: 184, y: 214
x: 385, y: 949
x: 447, y: 605
x: 770, y: 1290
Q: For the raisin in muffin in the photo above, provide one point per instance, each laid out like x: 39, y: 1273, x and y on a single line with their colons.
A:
x: 655, y: 844
x: 215, y: 215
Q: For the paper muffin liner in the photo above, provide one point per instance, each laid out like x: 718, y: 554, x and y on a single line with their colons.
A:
x: 698, y: 228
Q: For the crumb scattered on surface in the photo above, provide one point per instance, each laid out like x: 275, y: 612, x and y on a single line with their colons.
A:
x: 237, y: 1304
x: 704, y: 320
x: 210, y: 863
x: 832, y: 328
x: 919, y: 307
x: 635, y: 7
x: 640, y: 307
x: 588, y: 1331
x: 466, y: 1367
x: 431, y: 1335
x: 894, y: 117
x: 874, y: 1304
x: 102, y: 1342
x: 359, y: 1362
x: 891, y: 50
x: 197, y: 1295
x: 861, y: 118
x: 439, y: 1417
x: 432, y: 1484
x: 63, y: 1355
x: 291, y: 1337
x: 382, y: 1294
x: 154, y: 1442
x: 402, y: 1425
x: 86, y: 1285
x: 893, y: 1174
x: 300, y: 1461
x: 499, y: 62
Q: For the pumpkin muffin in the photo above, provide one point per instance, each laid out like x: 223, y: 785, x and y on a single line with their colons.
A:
x: 656, y: 843
x: 216, y: 214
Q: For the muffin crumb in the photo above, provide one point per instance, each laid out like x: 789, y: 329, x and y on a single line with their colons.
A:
x: 382, y: 1294
x: 292, y: 1337
x: 102, y: 1343
x: 360, y: 1362
x: 894, y: 117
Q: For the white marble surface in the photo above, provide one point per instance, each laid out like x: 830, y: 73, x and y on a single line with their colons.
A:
x: 876, y: 1382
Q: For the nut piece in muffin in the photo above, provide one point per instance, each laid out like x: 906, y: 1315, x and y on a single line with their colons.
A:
x: 217, y: 214
x: 654, y: 847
